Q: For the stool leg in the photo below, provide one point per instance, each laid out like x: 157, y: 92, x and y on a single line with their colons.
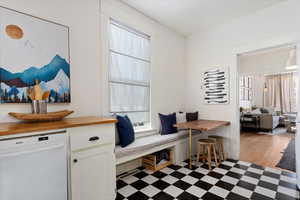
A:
x: 219, y: 152
x: 223, y: 152
x: 215, y: 155
x: 198, y: 152
x: 209, y: 156
x: 204, y: 155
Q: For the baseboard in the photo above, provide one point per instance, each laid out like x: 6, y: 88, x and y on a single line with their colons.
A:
x: 128, y: 166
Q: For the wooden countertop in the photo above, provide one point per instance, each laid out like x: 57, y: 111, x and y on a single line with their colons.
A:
x: 12, y: 128
x: 202, y: 125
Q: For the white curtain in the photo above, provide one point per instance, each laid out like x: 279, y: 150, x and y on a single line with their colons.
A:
x: 280, y: 92
x: 129, y: 98
x: 129, y: 73
x: 129, y: 70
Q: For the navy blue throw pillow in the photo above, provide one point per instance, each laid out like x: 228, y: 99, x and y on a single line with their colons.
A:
x: 167, y: 123
x: 125, y: 130
x: 192, y: 116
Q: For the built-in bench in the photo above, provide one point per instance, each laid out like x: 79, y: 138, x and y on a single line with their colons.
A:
x: 149, y: 144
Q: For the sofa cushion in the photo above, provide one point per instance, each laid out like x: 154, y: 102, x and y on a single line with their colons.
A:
x: 167, y: 123
x: 264, y: 110
x: 256, y: 112
x: 148, y: 142
x: 125, y: 130
x: 271, y: 110
x: 192, y: 116
x: 180, y: 117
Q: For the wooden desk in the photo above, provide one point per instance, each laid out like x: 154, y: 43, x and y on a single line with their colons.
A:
x: 201, y: 125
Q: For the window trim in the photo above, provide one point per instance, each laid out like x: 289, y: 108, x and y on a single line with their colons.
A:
x: 128, y: 28
x: 133, y: 57
x: 148, y: 124
x: 130, y: 83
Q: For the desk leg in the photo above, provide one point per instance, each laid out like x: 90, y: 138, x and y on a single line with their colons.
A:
x: 190, y: 148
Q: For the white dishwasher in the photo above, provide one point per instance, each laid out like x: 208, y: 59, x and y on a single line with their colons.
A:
x: 34, y: 167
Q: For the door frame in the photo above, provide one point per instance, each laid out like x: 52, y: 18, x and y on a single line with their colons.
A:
x: 263, y: 47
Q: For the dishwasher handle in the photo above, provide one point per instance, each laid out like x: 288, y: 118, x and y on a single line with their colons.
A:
x: 94, y: 138
x: 14, y: 154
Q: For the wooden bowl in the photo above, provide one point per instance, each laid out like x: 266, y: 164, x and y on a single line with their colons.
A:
x: 50, y: 116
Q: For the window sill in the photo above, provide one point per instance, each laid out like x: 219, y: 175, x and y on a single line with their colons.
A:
x: 145, y: 132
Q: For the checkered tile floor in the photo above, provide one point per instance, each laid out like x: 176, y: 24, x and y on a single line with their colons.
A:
x: 232, y: 180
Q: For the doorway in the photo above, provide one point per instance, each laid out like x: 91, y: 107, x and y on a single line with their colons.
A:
x: 268, y: 82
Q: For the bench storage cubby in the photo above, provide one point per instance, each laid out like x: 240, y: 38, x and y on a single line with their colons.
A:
x: 150, y: 161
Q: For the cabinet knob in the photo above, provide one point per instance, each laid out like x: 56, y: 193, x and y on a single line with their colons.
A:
x: 75, y: 160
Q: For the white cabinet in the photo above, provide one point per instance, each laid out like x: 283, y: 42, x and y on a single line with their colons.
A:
x: 93, y: 170
x: 91, y: 174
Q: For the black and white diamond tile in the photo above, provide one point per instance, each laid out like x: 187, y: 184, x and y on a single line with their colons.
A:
x: 232, y: 180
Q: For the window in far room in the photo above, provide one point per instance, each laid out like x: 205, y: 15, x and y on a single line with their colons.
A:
x: 129, y: 74
x: 246, y: 92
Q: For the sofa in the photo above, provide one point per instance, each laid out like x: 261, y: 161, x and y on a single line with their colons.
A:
x: 269, y: 121
x: 260, y: 119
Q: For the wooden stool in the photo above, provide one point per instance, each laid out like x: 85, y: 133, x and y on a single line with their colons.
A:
x: 219, y: 147
x: 207, y: 147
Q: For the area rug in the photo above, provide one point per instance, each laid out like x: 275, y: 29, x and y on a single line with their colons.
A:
x: 276, y: 131
x: 288, y: 159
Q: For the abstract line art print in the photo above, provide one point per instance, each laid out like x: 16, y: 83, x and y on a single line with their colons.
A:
x: 216, y: 85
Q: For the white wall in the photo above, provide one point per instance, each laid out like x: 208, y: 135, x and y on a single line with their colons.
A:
x: 83, y: 18
x: 219, y: 47
x: 272, y: 61
x: 167, y: 59
x: 89, y: 64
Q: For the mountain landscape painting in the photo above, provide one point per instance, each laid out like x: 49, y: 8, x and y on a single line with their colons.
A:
x: 33, y: 50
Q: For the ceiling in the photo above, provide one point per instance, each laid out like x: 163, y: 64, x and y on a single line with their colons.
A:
x: 189, y: 16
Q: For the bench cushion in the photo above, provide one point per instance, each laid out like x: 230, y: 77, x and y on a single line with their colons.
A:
x: 148, y: 142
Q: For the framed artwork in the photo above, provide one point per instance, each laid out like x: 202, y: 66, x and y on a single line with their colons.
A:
x: 33, y: 50
x: 216, y: 85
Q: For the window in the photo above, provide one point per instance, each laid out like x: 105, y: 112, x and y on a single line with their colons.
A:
x: 246, y: 92
x: 129, y: 74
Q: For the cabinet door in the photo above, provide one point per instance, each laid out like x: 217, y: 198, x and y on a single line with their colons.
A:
x: 93, y: 174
